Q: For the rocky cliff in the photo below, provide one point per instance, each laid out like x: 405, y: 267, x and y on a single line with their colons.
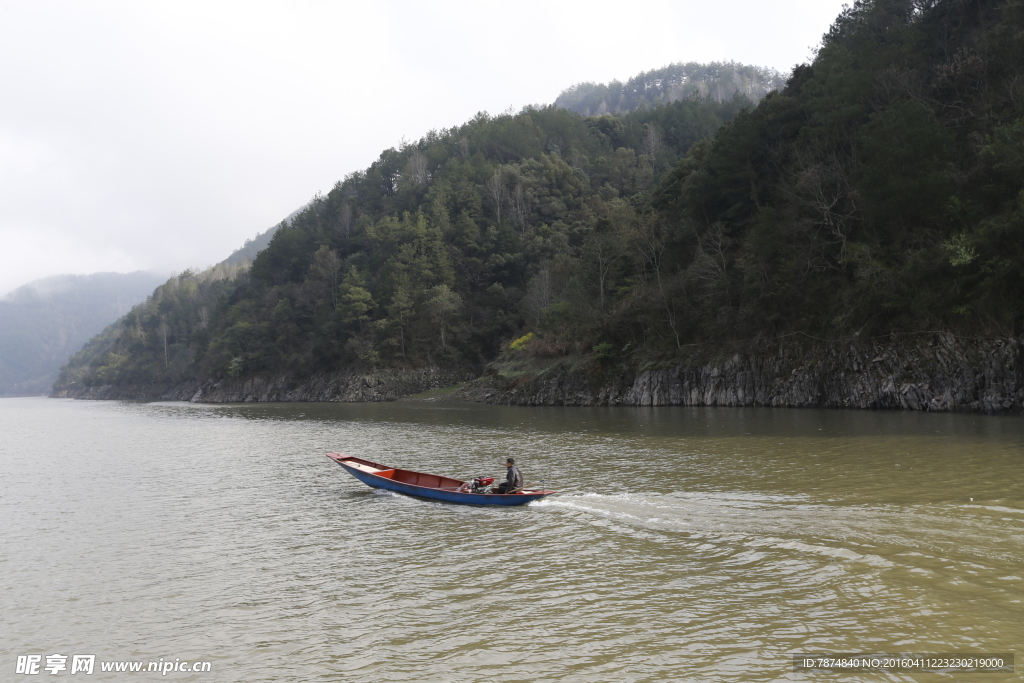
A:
x: 933, y: 371
x: 345, y: 387
x: 928, y: 371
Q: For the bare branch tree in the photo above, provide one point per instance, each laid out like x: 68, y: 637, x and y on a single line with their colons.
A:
x: 824, y: 189
x: 651, y: 144
x: 496, y: 192
x: 345, y: 220
x: 325, y: 274
x: 650, y: 239
x: 518, y: 207
x: 605, y: 248
x: 164, y: 330
x: 540, y: 294
x: 710, y: 259
x: 416, y: 168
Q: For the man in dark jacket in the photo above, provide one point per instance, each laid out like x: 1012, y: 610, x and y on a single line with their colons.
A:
x: 513, y: 479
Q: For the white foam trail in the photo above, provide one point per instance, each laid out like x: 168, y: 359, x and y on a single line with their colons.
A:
x: 718, y: 520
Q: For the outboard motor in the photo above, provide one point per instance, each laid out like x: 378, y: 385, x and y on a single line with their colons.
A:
x: 481, y: 484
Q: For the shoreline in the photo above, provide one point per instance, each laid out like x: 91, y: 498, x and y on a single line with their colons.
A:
x: 934, y: 372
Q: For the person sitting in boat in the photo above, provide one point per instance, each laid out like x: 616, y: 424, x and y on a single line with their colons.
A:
x: 513, y: 479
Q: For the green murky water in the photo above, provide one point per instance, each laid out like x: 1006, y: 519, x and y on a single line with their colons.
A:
x: 704, y: 544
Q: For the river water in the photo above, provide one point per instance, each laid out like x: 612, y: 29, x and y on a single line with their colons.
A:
x: 703, y: 544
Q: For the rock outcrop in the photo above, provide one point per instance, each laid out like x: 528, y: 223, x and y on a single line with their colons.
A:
x: 345, y: 387
x: 933, y: 371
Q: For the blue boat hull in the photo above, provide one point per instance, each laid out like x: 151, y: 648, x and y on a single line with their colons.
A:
x: 446, y: 495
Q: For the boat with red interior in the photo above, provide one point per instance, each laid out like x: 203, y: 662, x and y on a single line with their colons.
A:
x: 432, y: 486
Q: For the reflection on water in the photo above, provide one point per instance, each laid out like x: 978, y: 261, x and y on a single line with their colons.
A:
x: 688, y: 544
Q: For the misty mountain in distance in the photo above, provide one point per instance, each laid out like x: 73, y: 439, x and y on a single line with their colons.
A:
x: 718, y: 81
x: 44, y: 322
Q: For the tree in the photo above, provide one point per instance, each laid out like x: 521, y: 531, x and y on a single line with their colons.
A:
x: 606, y: 245
x: 518, y: 207
x: 416, y: 168
x: 441, y: 305
x: 496, y: 193
x: 344, y: 221
x: 356, y: 302
x: 164, y: 330
x: 400, y: 310
x: 822, y: 187
x: 540, y: 294
x: 651, y: 144
x: 325, y: 273
x: 650, y: 241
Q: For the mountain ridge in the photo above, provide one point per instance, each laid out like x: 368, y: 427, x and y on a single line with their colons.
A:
x: 877, y: 193
x: 716, y: 80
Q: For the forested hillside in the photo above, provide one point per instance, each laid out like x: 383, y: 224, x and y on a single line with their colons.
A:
x: 718, y: 81
x: 44, y: 322
x: 880, y: 190
x: 436, y: 254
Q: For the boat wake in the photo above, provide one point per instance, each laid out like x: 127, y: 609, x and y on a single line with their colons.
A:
x: 872, y: 535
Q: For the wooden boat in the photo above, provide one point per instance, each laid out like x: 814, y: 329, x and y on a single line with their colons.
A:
x: 431, y: 486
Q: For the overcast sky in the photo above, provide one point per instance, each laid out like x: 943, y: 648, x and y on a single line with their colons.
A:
x: 160, y: 135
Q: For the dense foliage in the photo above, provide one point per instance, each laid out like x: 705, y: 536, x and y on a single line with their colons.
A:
x: 435, y: 254
x: 157, y: 341
x: 880, y: 190
x: 718, y: 81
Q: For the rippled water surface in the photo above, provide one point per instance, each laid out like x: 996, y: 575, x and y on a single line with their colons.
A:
x: 688, y: 544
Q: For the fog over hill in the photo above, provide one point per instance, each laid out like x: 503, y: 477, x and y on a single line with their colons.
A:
x: 44, y: 322
x: 247, y: 252
x: 718, y: 81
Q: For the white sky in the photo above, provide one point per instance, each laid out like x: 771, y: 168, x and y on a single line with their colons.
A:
x: 160, y: 135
